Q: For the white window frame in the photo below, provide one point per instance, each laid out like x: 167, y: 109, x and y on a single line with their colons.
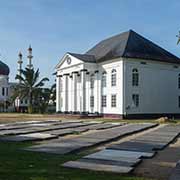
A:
x: 104, y: 79
x: 113, y: 100
x: 113, y: 77
x: 135, y: 77
x: 103, y: 101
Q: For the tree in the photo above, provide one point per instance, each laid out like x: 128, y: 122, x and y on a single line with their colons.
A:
x: 29, y: 85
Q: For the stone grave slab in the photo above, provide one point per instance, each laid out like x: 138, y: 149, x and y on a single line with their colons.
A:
x: 98, y: 167
x: 108, y: 162
x: 28, y: 137
x: 115, y: 155
x: 133, y: 146
x: 121, y: 153
x: 87, y: 140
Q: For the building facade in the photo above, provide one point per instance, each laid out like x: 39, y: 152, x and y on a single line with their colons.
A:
x: 5, y: 87
x: 125, y: 76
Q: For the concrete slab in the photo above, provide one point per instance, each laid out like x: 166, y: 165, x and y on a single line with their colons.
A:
x: 87, y: 140
x: 122, y: 153
x: 114, y: 158
x: 117, y: 153
x: 134, y: 146
x: 28, y: 137
x: 108, y: 162
x: 98, y: 167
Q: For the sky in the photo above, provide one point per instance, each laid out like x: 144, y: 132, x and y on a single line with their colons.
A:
x: 54, y: 27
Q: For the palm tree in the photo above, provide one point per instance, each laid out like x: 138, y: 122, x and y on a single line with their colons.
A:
x: 29, y: 85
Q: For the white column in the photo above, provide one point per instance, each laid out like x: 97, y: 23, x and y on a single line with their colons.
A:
x: 58, y: 98
x: 74, y: 92
x: 83, y: 91
x: 65, y: 77
x: 87, y: 91
x: 78, y: 93
x: 69, y: 93
x: 96, y: 96
x: 99, y: 94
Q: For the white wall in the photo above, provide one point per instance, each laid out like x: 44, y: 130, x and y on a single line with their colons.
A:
x: 109, y: 90
x: 158, y: 87
x: 4, y: 83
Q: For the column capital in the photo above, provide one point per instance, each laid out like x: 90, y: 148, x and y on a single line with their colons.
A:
x: 83, y: 70
x: 59, y: 75
x: 75, y: 72
x: 67, y: 74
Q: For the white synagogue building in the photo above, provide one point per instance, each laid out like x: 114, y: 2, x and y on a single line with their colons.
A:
x: 124, y: 76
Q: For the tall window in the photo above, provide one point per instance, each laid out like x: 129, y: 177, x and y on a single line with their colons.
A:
x: 103, y: 101
x: 104, y: 77
x: 113, y: 100
x: 135, y: 99
x: 179, y: 81
x: 92, y: 81
x: 91, y: 101
x: 179, y: 101
x: 113, y: 77
x: 3, y: 91
x: 135, y: 77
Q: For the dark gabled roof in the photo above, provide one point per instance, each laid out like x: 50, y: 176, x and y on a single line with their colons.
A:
x: 84, y: 57
x: 131, y: 45
x: 4, y: 69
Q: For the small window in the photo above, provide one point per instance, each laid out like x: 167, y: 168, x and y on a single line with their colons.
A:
x: 179, y: 81
x: 91, y: 101
x: 21, y: 102
x: 104, y: 77
x: 92, y: 81
x: 103, y: 101
x: 135, y: 77
x: 113, y: 77
x: 26, y: 101
x: 3, y: 91
x: 113, y: 100
x: 135, y: 99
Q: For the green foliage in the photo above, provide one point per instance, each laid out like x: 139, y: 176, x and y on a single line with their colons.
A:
x: 30, y: 86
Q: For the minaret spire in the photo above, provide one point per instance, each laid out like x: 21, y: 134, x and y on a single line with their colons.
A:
x: 20, y: 62
x: 30, y: 66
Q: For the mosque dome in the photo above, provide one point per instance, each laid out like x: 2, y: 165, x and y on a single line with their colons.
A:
x: 4, y: 69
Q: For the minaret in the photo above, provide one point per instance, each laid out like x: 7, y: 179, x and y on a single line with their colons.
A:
x: 30, y: 66
x: 20, y: 62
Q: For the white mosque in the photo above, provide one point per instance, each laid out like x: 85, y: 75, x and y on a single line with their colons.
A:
x: 5, y: 87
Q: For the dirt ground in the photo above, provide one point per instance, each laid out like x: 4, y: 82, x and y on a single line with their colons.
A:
x: 160, y: 167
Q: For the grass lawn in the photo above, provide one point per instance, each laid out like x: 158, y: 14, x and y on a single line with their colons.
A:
x: 17, y: 164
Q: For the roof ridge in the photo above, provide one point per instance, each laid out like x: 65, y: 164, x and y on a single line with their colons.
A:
x: 130, y: 31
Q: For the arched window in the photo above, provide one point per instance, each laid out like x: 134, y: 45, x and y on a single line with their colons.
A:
x: 135, y: 77
x: 113, y: 77
x: 104, y: 77
x: 92, y: 81
x: 179, y: 81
